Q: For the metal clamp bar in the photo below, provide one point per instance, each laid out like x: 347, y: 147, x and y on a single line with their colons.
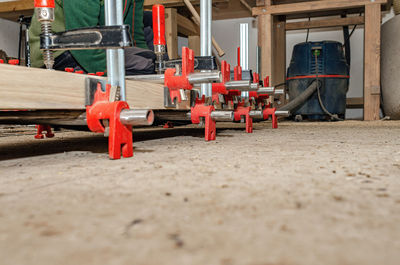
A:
x: 194, y: 78
x: 242, y: 85
x: 106, y: 37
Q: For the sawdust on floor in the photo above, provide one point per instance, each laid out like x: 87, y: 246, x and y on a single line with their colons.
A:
x: 306, y: 193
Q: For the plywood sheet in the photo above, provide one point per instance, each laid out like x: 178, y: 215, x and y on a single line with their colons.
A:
x: 32, y: 88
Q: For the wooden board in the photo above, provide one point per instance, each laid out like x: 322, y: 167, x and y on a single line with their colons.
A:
x: 33, y: 88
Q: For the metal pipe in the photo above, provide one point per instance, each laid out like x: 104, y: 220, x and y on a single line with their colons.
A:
x: 279, y: 92
x: 112, y: 54
x: 283, y: 113
x: 205, y: 39
x: 270, y: 91
x: 137, y: 117
x: 266, y: 90
x: 244, y: 46
x: 207, y: 77
x: 256, y: 114
x: 242, y: 85
x: 158, y: 78
x: 244, y: 51
x: 121, y: 52
x: 222, y: 115
x: 194, y: 78
x: 218, y: 115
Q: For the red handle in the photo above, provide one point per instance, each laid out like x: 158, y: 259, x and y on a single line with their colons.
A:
x: 159, y: 24
x: 45, y: 3
x: 13, y: 62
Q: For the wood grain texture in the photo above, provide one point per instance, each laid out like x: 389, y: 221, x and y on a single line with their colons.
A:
x: 33, y: 88
x: 186, y: 26
x: 325, y: 23
x: 171, y: 32
x: 313, y: 6
x: 194, y: 44
x: 279, y: 55
x: 265, y: 41
x: 372, y: 58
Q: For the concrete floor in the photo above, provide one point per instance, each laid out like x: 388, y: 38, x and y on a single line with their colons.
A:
x: 307, y: 193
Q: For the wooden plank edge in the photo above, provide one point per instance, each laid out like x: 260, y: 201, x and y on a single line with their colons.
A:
x: 325, y: 23
x: 314, y: 6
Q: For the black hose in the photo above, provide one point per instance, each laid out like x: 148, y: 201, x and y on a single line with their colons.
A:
x: 333, y: 116
x: 302, y: 97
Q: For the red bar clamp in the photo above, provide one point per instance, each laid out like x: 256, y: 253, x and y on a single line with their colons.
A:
x: 242, y: 111
x: 271, y: 112
x: 177, y: 82
x: 202, y: 111
x: 120, y: 136
x: 41, y: 128
x: 219, y: 88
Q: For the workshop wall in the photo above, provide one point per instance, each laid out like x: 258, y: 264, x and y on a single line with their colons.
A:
x: 9, y: 32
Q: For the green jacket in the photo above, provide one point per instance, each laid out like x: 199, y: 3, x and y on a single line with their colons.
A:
x: 74, y: 14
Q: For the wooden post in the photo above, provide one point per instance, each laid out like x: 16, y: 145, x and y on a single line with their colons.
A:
x: 171, y: 32
x: 372, y: 48
x: 279, y: 56
x: 265, y: 42
x: 194, y: 44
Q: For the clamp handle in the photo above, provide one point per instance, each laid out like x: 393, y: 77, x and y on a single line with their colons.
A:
x: 44, y: 3
x: 159, y: 24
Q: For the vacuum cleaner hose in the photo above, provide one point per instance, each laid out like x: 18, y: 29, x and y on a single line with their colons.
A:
x: 302, y: 97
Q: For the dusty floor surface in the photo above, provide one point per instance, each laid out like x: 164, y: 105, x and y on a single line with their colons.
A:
x: 310, y: 193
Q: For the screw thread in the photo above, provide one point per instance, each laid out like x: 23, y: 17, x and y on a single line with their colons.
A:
x: 48, y: 57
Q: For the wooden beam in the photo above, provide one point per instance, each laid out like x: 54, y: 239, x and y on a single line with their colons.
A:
x: 175, y: 3
x: 171, y: 32
x: 313, y: 6
x: 279, y: 56
x: 372, y: 58
x: 15, y: 6
x: 186, y: 26
x: 244, y: 3
x: 325, y: 23
x: 354, y: 103
x: 34, y: 88
x: 265, y: 42
x: 194, y: 44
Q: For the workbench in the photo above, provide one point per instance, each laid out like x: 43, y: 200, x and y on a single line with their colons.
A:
x: 273, y: 22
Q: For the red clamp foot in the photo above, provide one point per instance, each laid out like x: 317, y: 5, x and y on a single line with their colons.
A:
x: 120, y: 135
x: 244, y: 111
x: 271, y: 111
x: 202, y: 111
x: 41, y: 129
x: 168, y: 125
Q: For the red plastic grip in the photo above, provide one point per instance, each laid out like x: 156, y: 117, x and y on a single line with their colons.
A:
x: 13, y: 62
x: 159, y: 24
x: 45, y: 3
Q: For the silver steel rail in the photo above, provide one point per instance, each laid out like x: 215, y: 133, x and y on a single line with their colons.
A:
x: 194, y: 78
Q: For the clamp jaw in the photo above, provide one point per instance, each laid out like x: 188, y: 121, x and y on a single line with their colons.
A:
x: 119, y: 135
